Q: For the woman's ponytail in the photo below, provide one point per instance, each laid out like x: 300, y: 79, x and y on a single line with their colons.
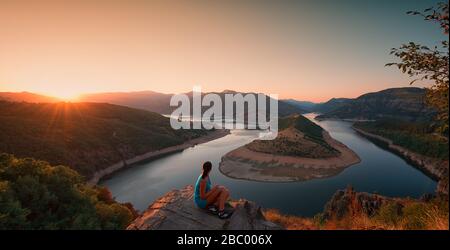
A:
x: 206, y: 169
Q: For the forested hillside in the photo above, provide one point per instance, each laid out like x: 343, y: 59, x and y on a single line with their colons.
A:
x: 396, y: 103
x: 85, y: 136
x: 417, y: 137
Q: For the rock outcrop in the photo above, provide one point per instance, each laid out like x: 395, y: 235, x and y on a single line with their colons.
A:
x: 353, y: 210
x: 176, y: 211
x: 348, y: 202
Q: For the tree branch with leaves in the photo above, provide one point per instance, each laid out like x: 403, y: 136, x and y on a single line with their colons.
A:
x: 429, y: 64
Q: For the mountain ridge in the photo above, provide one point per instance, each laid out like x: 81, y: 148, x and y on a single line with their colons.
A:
x: 146, y: 99
x: 406, y: 103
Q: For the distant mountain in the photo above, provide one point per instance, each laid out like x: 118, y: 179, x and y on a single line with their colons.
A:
x: 85, y: 136
x: 331, y: 105
x: 305, y: 105
x: 147, y: 100
x: 26, y: 97
x: 323, y: 107
x: 395, y: 103
x: 160, y: 103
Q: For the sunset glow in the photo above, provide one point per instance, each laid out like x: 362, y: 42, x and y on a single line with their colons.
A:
x: 191, y: 116
x: 64, y: 94
x: 304, y: 50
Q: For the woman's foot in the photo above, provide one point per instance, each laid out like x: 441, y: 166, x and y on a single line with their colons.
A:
x: 213, y: 209
x: 224, y: 214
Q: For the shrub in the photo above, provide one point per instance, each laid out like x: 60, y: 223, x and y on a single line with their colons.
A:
x: 35, y: 195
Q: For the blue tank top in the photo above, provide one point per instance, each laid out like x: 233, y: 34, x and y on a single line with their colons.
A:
x: 199, y: 201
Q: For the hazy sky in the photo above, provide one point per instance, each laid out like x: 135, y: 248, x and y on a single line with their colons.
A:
x: 308, y: 50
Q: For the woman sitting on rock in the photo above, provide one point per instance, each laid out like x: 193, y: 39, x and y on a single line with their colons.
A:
x: 209, y: 198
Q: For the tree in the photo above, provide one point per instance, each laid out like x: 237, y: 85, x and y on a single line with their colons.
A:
x: 429, y: 64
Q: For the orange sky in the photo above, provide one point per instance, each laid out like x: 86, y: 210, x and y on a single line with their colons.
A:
x: 63, y: 49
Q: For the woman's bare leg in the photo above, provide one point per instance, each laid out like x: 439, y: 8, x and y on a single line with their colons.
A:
x: 214, y: 196
x: 227, y: 196
x: 224, y: 195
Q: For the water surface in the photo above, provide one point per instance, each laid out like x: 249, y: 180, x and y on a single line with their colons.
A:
x: 379, y: 171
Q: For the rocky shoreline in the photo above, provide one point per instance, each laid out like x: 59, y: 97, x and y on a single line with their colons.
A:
x: 243, y: 163
x: 435, y: 168
x: 155, y: 154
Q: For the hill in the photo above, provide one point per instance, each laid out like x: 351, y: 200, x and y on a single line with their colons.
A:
x: 395, y: 103
x: 26, y: 97
x: 415, y: 136
x: 331, y: 105
x: 147, y: 100
x: 301, y: 151
x: 85, y: 136
x: 297, y: 136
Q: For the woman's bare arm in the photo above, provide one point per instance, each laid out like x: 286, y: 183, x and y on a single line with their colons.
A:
x: 203, y: 194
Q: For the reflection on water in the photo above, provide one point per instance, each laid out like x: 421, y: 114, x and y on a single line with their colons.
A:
x: 379, y: 171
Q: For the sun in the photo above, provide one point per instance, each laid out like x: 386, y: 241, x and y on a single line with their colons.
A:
x: 66, y: 95
x: 63, y: 92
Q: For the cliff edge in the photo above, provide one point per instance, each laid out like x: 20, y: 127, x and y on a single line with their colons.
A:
x: 176, y: 211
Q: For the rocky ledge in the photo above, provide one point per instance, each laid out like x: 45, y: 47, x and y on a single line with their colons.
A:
x: 349, y: 202
x: 176, y: 211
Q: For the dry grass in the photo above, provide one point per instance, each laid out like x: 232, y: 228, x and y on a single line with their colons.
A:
x: 435, y: 219
x: 289, y: 222
x: 359, y: 222
x: 431, y: 219
x: 415, y: 215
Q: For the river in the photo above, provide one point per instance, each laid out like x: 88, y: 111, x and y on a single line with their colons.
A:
x: 379, y: 171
